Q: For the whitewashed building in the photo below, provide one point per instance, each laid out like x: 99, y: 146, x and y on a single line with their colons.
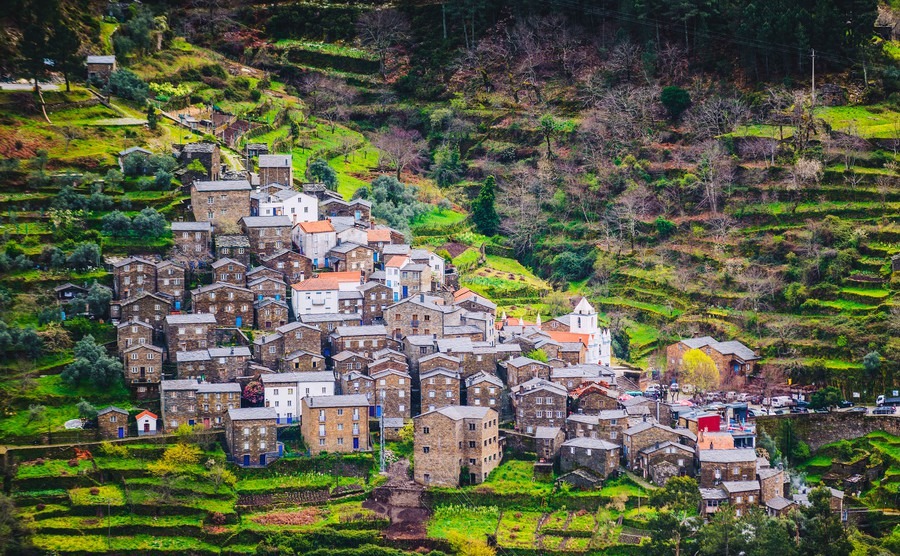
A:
x: 283, y: 392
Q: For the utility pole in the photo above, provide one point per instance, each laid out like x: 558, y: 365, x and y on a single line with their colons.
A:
x: 381, y: 427
x: 813, y: 76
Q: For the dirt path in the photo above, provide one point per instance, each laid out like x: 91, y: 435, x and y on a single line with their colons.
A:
x: 400, y: 500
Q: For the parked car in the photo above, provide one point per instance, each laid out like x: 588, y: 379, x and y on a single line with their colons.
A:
x: 858, y: 410
x: 798, y: 409
x: 821, y: 410
x: 886, y: 410
x: 845, y: 403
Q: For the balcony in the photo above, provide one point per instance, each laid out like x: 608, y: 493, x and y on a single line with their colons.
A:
x: 414, y: 323
x: 286, y: 420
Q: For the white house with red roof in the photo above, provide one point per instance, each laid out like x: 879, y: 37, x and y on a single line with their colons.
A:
x: 146, y: 423
x: 315, y: 240
x: 320, y: 295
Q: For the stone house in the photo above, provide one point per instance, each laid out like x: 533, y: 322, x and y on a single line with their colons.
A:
x: 196, y: 364
x: 132, y: 333
x: 68, y: 292
x: 547, y: 442
x: 133, y: 276
x: 522, y: 369
x: 142, y: 364
x: 267, y: 234
x: 190, y: 332
x: 771, y: 484
x: 731, y: 357
x: 99, y: 68
x: 258, y: 272
x: 315, y: 240
x: 112, y: 422
x: 276, y: 168
x: 335, y: 423
x: 228, y: 363
x: 597, y: 455
x: 484, y: 389
x: 539, y: 403
x: 302, y: 360
x: 385, y: 363
x: 192, y: 239
x: 472, y: 302
x: 358, y: 209
x: 439, y: 388
x: 476, y: 356
x: 440, y: 361
x: 375, y: 299
x: 361, y: 339
x: 250, y: 436
x: 351, y: 256
x: 229, y: 271
x: 170, y: 281
x: 350, y: 301
x: 660, y: 462
x: 608, y: 424
x: 293, y: 266
x: 269, y: 349
x: 642, y: 435
x: 456, y: 442
x: 193, y: 402
x: 147, y: 307
x: 718, y: 466
x: 355, y: 382
x: 209, y: 156
x: 232, y: 305
x: 214, y: 400
x: 420, y: 314
x: 283, y: 392
x: 269, y: 314
x: 393, y: 393
x: 327, y: 322
x: 416, y: 348
x: 235, y: 247
x: 345, y: 361
x: 593, y: 397
x: 221, y: 202
x: 266, y: 287
x: 742, y: 495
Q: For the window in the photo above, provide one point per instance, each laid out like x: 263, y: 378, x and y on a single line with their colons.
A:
x: 426, y: 449
x: 539, y: 414
x: 448, y: 394
x: 471, y: 444
x: 426, y: 430
x: 262, y: 445
x: 246, y: 431
x: 246, y: 445
x: 321, y: 430
x: 738, y: 499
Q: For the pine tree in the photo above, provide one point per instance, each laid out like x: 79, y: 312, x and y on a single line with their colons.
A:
x: 64, y: 49
x: 484, y: 214
x: 151, y: 117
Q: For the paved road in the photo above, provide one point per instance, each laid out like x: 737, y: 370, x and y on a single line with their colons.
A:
x: 28, y: 86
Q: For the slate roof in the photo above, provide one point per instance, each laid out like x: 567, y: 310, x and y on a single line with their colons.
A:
x: 459, y: 412
x: 274, y: 161
x: 252, y: 413
x: 111, y: 409
x: 740, y: 486
x: 101, y: 59
x: 267, y: 221
x: 350, y: 400
x: 727, y: 456
x: 233, y: 240
x: 589, y: 443
x: 191, y: 226
x: 222, y: 185
x: 191, y: 318
x: 366, y: 330
x: 546, y: 432
x: 280, y: 378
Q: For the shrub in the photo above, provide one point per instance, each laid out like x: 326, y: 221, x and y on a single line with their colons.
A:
x: 94, y: 490
x: 215, y: 518
x: 127, y: 84
x: 73, y: 462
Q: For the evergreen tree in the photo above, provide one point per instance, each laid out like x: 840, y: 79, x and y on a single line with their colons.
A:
x: 151, y: 117
x: 484, y: 213
x: 64, y: 49
x: 33, y: 49
x: 320, y: 171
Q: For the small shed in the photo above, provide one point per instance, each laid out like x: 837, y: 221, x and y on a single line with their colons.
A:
x: 146, y: 423
x: 100, y: 67
x: 112, y: 422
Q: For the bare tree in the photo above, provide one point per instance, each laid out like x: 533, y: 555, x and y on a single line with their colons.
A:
x: 520, y: 204
x: 883, y: 186
x: 400, y: 147
x: 382, y: 30
x: 716, y: 115
x: 756, y: 148
x: 760, y: 285
x: 804, y: 172
x: 631, y: 208
x: 853, y: 179
x: 335, y: 99
x: 715, y: 174
x: 849, y: 144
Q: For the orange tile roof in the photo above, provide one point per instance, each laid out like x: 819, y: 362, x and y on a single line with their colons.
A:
x: 462, y: 293
x: 145, y: 413
x: 397, y: 261
x: 327, y: 281
x: 317, y: 227
x: 568, y: 337
x: 379, y: 234
x: 715, y: 441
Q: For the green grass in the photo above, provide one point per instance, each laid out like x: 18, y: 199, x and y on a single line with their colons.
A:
x: 474, y: 522
x: 622, y: 485
x: 295, y: 482
x: 515, y: 477
x: 438, y: 217
x: 335, y: 49
x: 107, y: 495
x: 820, y: 460
x: 51, y: 468
x: 517, y: 529
x: 584, y: 522
x: 121, y: 545
x: 878, y: 121
x: 867, y: 292
x: 762, y: 130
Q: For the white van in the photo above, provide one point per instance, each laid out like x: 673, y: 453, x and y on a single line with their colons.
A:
x: 782, y: 401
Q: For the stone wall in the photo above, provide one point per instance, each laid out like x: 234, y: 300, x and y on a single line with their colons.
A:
x: 819, y: 429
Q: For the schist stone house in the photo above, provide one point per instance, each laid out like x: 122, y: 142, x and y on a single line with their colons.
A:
x: 449, y: 439
x: 665, y: 460
x: 599, y: 456
x: 283, y: 392
x: 522, y: 369
x: 269, y: 349
x: 275, y: 168
x: 484, y: 389
x: 192, y: 239
x: 132, y: 333
x: 361, y: 339
x: 351, y: 256
x: 293, y: 266
x: 731, y: 357
x: 236, y: 247
x: 232, y: 305
x: 269, y: 314
x: 267, y: 234
x: 393, y: 392
x: 229, y: 271
x: 251, y: 437
x: 190, y: 332
x: 112, y: 422
x: 335, y: 423
x: 221, y: 202
x: 717, y: 466
x: 148, y: 307
x: 439, y: 388
x: 209, y: 156
x: 193, y: 402
x: 100, y: 67
x: 143, y: 369
x: 539, y: 403
x: 133, y: 276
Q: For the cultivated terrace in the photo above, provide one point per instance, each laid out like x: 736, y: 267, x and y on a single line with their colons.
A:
x: 467, y: 277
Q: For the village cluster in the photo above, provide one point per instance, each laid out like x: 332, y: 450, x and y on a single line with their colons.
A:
x: 345, y: 328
